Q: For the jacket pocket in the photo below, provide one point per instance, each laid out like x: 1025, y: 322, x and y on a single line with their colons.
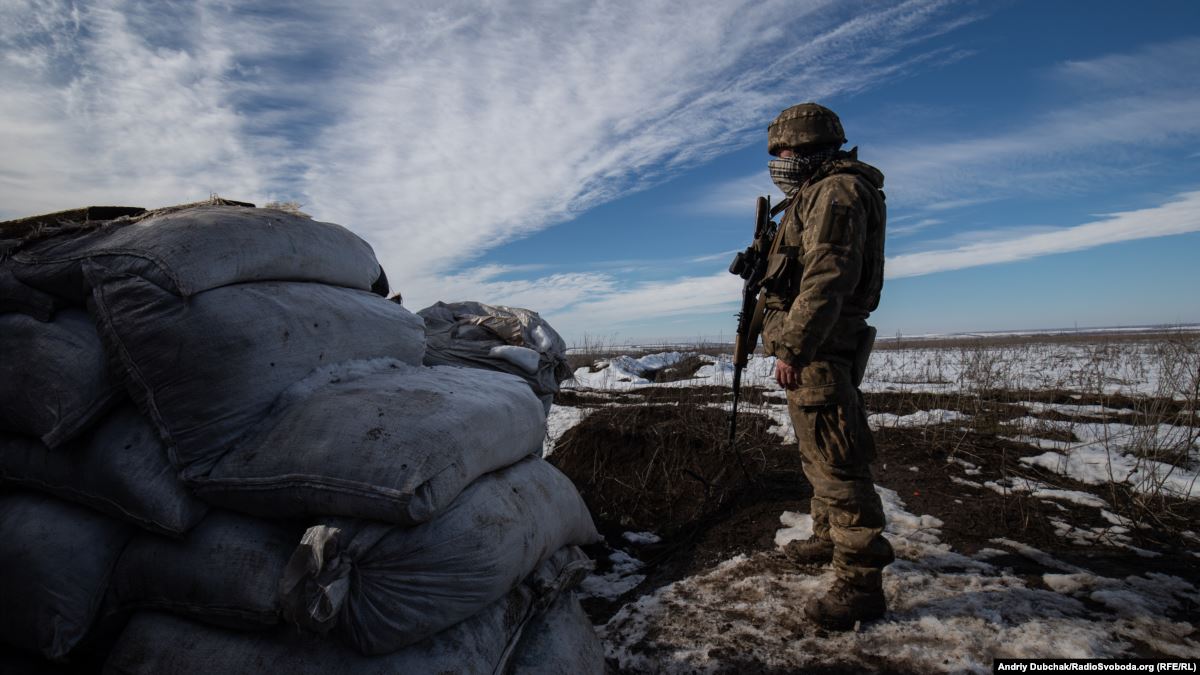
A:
x: 779, y: 282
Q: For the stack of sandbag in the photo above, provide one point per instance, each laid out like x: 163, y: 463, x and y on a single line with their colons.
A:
x: 87, y: 474
x: 204, y: 384
x: 505, y: 339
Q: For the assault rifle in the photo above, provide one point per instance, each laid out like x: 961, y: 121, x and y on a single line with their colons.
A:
x: 751, y: 265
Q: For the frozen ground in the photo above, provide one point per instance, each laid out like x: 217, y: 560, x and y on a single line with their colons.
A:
x: 1099, y: 452
x: 950, y: 611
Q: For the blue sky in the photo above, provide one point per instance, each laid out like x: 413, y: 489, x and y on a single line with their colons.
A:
x: 598, y: 162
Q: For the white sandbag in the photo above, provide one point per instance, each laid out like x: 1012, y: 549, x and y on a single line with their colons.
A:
x: 379, y: 440
x: 16, y: 296
x: 561, y: 641
x: 119, y: 468
x: 225, y: 572
x: 207, y: 369
x: 195, y: 249
x: 386, y: 587
x: 508, y: 339
x: 154, y: 644
x: 54, y: 380
x: 54, y: 569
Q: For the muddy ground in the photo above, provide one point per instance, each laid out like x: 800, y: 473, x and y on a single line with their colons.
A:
x: 657, y: 460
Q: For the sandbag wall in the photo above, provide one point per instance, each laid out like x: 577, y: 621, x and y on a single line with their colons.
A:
x: 213, y: 424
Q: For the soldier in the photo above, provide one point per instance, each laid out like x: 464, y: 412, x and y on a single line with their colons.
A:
x: 824, y: 277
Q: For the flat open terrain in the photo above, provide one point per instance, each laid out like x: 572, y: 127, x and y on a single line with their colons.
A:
x: 1042, y: 497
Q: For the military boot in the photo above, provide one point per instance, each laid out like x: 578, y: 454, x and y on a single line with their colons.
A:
x: 812, y: 551
x: 846, y: 604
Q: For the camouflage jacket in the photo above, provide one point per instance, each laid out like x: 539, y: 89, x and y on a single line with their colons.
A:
x: 827, y: 275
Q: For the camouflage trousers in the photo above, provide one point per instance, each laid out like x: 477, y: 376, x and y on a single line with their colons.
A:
x: 836, y: 449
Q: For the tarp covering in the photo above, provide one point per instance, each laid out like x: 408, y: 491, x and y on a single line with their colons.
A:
x: 508, y: 339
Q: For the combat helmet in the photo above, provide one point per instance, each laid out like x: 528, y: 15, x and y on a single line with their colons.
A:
x: 802, y: 125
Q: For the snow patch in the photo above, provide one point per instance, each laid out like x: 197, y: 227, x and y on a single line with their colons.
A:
x: 641, y: 538
x: 620, y: 579
x: 558, y: 422
x: 627, y: 372
x: 968, y: 468
x: 924, y: 529
x: 1096, y: 465
x: 921, y: 418
x: 1040, y: 490
x: 1074, y: 410
x: 796, y: 527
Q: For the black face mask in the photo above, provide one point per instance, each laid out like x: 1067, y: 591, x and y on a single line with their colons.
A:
x: 789, y: 173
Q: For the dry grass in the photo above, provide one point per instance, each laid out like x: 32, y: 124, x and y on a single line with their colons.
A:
x: 989, y: 382
x: 994, y: 385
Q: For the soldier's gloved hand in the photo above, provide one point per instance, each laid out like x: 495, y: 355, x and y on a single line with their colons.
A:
x: 787, y: 376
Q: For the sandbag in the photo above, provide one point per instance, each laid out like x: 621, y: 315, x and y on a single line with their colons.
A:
x: 119, y: 468
x: 16, y: 296
x: 54, y: 381
x: 386, y: 587
x: 225, y: 572
x: 380, y: 440
x: 507, y: 339
x: 561, y: 641
x: 195, y: 249
x: 207, y: 369
x: 153, y: 644
x: 13, y: 662
x: 54, y: 568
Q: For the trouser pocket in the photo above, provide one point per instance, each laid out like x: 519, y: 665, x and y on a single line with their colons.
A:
x: 835, y: 434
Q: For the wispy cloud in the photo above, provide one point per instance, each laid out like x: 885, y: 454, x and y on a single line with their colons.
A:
x: 1154, y: 68
x: 1119, y: 106
x: 913, y: 228
x: 94, y: 112
x: 651, y: 302
x: 438, y: 130
x: 643, y: 307
x: 735, y: 197
x: 723, y: 256
x: 1180, y: 215
x: 529, y: 124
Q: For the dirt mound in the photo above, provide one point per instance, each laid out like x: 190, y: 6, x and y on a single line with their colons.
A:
x: 666, y: 468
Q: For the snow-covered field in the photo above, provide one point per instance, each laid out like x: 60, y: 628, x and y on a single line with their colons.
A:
x: 1151, y: 368
x: 949, y: 611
